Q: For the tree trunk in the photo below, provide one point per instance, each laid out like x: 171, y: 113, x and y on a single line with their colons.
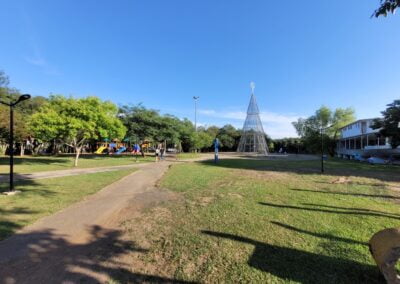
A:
x: 77, y: 153
x: 22, y: 152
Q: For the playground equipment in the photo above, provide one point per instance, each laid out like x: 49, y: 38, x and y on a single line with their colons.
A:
x: 100, y: 150
x: 120, y: 150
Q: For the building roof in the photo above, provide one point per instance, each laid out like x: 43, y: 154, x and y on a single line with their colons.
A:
x: 356, y: 121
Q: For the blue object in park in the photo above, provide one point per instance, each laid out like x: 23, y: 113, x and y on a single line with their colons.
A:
x: 216, y: 145
x: 120, y: 150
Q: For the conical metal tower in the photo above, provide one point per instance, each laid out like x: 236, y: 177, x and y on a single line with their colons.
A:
x: 253, y: 136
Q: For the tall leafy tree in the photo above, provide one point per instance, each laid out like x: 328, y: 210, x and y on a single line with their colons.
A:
x: 327, y: 120
x: 229, y: 137
x: 389, y: 125
x: 22, y: 114
x: 75, y: 121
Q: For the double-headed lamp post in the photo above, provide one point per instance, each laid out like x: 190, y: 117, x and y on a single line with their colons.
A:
x: 11, y: 105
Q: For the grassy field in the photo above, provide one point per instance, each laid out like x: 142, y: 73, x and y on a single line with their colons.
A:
x: 29, y: 164
x: 256, y: 221
x: 186, y: 156
x: 44, y: 197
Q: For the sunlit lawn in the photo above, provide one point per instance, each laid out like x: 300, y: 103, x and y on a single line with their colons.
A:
x: 29, y: 164
x: 269, y: 221
x: 44, y: 197
x: 186, y: 156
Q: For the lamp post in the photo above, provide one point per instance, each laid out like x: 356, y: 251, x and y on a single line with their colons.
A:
x: 322, y: 147
x: 195, y: 112
x: 11, y: 142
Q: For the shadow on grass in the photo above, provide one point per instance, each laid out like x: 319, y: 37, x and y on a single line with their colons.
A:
x: 45, y: 257
x: 34, y: 161
x: 302, y: 266
x: 357, y: 209
x: 333, y: 167
x: 347, y: 193
x: 347, y: 212
x: 319, y: 235
x: 9, y: 225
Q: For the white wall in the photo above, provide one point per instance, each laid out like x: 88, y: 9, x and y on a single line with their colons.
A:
x: 354, y: 129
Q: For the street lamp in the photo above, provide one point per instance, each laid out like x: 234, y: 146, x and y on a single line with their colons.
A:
x: 11, y: 142
x: 322, y: 147
x: 195, y: 112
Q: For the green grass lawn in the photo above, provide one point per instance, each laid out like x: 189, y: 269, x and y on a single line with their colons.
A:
x: 257, y: 221
x: 187, y: 156
x: 30, y: 164
x: 44, y: 197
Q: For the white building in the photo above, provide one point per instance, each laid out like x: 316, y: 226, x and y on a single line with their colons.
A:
x: 358, y: 138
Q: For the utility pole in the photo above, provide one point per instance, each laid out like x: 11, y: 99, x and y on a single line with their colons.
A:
x: 195, y: 112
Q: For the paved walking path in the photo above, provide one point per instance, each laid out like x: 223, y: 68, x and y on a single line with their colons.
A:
x: 52, y: 249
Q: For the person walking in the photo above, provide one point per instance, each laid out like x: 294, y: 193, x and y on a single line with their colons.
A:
x: 157, y: 154
x: 162, y: 151
x: 136, y: 151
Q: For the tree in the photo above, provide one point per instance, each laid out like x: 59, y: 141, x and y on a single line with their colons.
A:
x: 75, y: 121
x: 22, y: 114
x: 141, y: 122
x: 202, y: 140
x: 390, y: 123
x: 330, y: 121
x: 386, y: 6
x: 229, y: 137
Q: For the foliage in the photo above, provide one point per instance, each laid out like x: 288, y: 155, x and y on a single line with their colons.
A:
x: 327, y: 121
x: 75, y: 121
x: 387, y: 6
x: 202, y: 140
x: 148, y: 124
x: 22, y: 114
x: 229, y: 137
x: 288, y: 145
x: 389, y: 125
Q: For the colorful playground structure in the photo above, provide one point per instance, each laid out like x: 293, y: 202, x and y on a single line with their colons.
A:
x: 111, y: 148
x: 118, y: 148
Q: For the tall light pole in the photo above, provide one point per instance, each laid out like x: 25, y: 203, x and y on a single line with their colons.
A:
x: 11, y: 105
x: 195, y: 112
x: 322, y: 147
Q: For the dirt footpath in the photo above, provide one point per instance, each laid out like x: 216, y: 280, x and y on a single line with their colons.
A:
x: 76, y: 244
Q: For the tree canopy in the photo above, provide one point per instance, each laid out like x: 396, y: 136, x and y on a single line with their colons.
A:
x: 324, y: 119
x: 75, y: 121
x: 386, y: 7
x: 389, y: 125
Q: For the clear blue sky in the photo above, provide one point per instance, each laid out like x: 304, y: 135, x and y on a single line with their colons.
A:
x: 301, y: 55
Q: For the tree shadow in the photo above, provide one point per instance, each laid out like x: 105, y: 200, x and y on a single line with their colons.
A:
x: 29, y: 160
x: 8, y: 227
x: 333, y: 167
x: 18, y: 214
x: 348, y: 212
x: 46, y: 257
x: 319, y: 235
x: 296, y: 265
x: 357, y: 209
x: 348, y: 193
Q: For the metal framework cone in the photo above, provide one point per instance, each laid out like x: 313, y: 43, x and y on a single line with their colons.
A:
x: 253, y: 136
